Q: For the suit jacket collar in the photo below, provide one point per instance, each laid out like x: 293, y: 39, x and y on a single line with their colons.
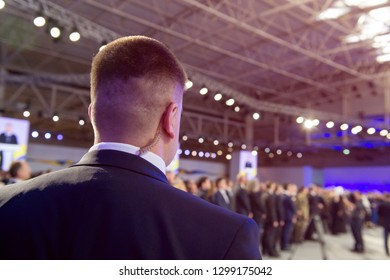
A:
x: 122, y: 160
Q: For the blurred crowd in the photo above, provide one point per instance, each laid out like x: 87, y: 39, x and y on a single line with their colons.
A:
x: 18, y: 171
x: 287, y: 214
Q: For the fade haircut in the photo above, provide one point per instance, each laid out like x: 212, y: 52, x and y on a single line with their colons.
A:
x: 133, y: 80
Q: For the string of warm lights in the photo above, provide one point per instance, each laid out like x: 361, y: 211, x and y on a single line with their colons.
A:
x: 229, y: 147
x: 354, y: 129
x: 46, y: 135
x: 218, y: 96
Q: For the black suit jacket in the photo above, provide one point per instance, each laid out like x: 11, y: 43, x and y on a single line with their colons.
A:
x: 289, y: 208
x: 243, y: 205
x: 114, y: 205
x: 8, y: 139
x: 384, y: 214
x: 219, y: 200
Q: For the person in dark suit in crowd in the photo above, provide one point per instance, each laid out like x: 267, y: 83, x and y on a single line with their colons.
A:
x: 222, y: 197
x: 271, y: 222
x: 357, y: 218
x: 315, y: 207
x: 289, y: 215
x: 204, y: 188
x: 384, y: 220
x: 19, y: 171
x: 7, y: 137
x: 116, y: 202
x: 280, y: 214
x: 241, y: 196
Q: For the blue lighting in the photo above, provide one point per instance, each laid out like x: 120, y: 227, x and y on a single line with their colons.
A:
x: 337, y: 148
x: 327, y: 135
x: 339, y: 134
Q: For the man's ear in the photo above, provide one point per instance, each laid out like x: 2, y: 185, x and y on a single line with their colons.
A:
x: 168, y: 121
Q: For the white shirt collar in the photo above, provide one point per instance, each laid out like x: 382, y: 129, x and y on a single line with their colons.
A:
x: 127, y: 148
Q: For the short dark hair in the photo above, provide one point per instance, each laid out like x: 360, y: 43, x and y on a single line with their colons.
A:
x: 132, y: 81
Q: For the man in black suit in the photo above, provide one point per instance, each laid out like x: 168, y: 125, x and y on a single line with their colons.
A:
x: 7, y: 137
x: 116, y: 203
x: 222, y: 197
x: 243, y: 205
x: 289, y: 215
x: 384, y: 220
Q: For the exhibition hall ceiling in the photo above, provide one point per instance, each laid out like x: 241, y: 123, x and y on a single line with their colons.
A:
x: 255, y: 67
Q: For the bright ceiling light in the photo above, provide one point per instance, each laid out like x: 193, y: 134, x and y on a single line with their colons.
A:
x: 47, y: 135
x: 388, y: 136
x: 216, y: 142
x: 330, y: 124
x: 194, y: 153
x: 185, y: 138
x: 357, y: 129
x: 237, y: 109
x: 352, y: 38
x: 220, y: 153
x: 81, y: 122
x: 383, y: 132
x: 26, y: 113
x: 2, y: 4
x: 344, y: 126
x: 316, y: 122
x: 55, y: 32
x: 299, y: 155
x: 380, y: 15
x: 333, y: 13
x: 74, y: 36
x: 346, y: 152
x: 189, y: 84
x: 201, y: 140
x: 300, y: 119
x: 203, y: 91
x: 56, y: 118
x: 35, y: 134
x: 267, y: 150
x: 230, y: 144
x: 371, y: 131
x: 364, y: 3
x: 308, y: 124
x: 382, y: 38
x: 218, y: 97
x: 279, y: 152
x: 243, y: 146
x: 254, y: 153
x: 256, y: 116
x: 39, y: 21
x: 228, y: 157
x: 230, y: 102
x: 372, y: 29
x: 383, y: 58
x: 201, y: 154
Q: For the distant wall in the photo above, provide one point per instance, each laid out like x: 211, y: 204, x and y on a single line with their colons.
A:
x: 213, y: 170
x: 42, y: 157
x: 362, y: 178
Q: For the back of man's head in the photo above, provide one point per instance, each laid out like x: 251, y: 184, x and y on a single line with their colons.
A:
x: 133, y: 80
